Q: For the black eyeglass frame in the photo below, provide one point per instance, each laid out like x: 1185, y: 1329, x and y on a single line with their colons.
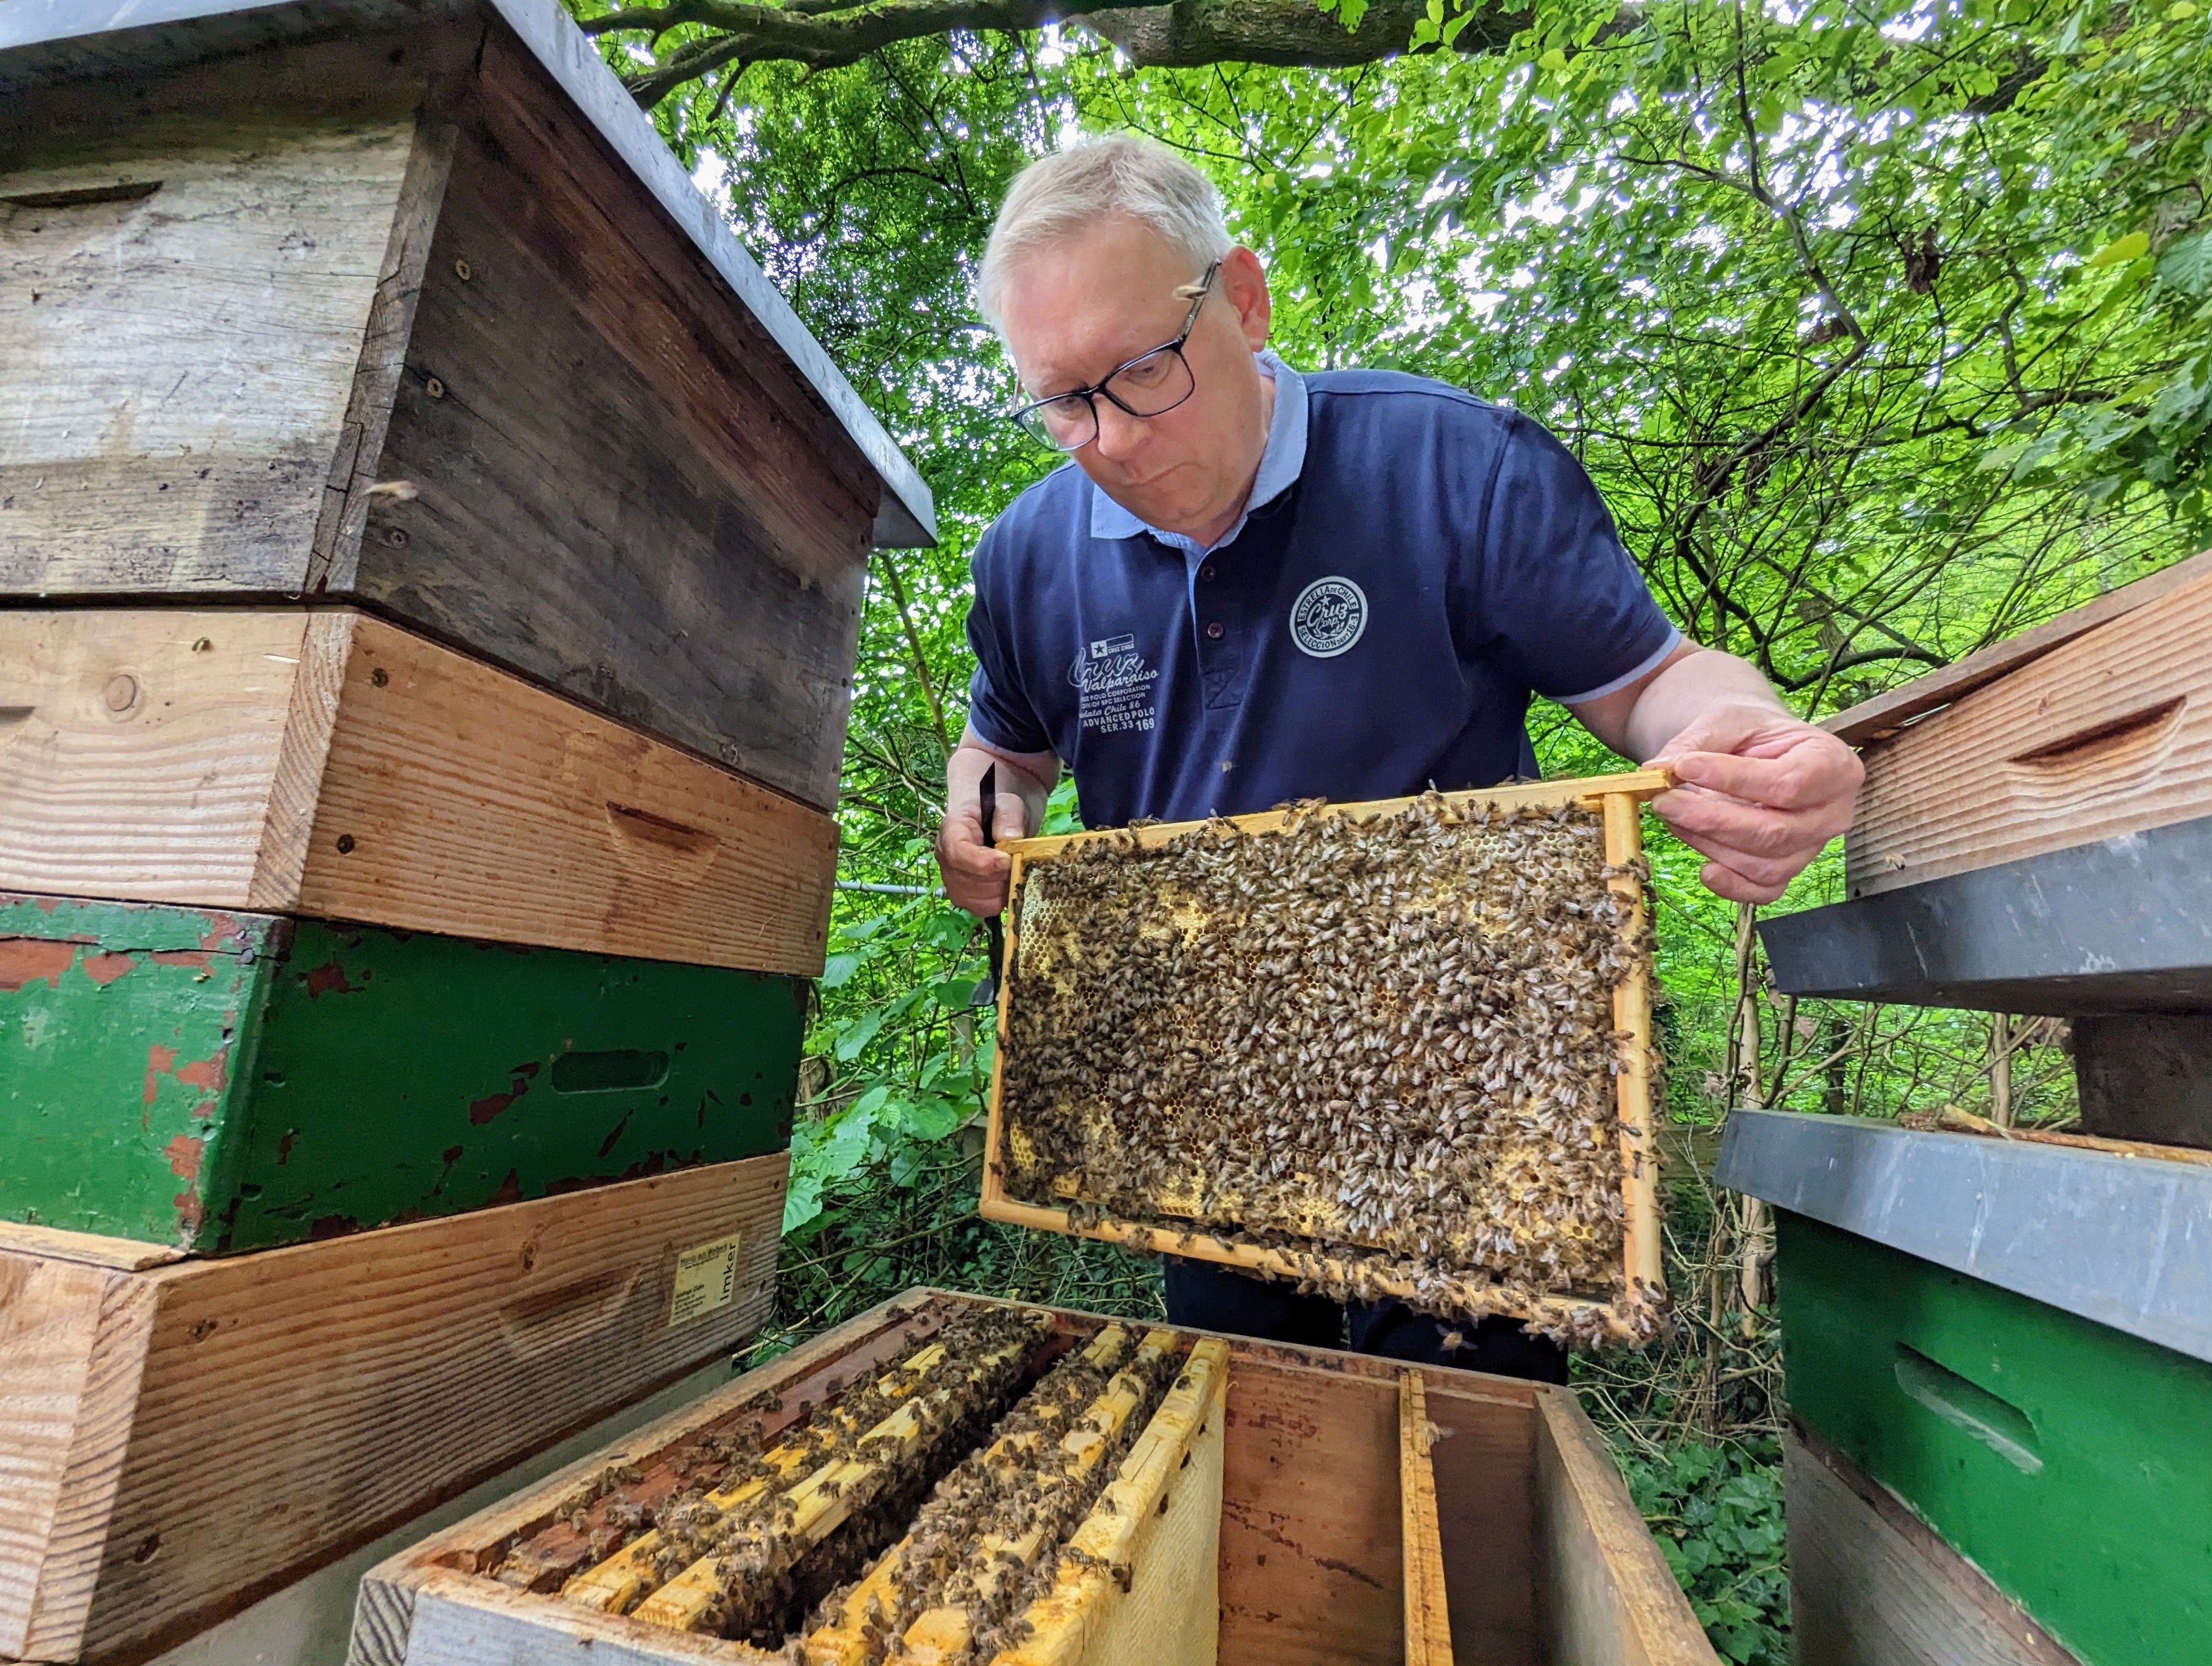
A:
x: 1198, y: 292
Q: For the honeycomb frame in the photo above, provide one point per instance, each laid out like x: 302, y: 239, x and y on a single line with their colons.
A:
x: 1632, y: 1314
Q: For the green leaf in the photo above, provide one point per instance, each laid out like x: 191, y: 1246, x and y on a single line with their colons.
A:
x: 856, y: 1036
x: 2133, y: 246
x: 838, y: 968
x: 2185, y: 264
x: 1554, y: 60
x: 802, y: 1201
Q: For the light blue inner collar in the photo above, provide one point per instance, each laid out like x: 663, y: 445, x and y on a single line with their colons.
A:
x: 1280, y: 461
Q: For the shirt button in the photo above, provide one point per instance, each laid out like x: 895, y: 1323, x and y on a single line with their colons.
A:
x: 1213, y: 630
x: 1206, y: 571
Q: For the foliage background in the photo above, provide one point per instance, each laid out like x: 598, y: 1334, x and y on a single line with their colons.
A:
x: 1885, y: 328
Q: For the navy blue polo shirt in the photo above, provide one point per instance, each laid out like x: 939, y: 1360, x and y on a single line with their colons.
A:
x: 1412, y: 563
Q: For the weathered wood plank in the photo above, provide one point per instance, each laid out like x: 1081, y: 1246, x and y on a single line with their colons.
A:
x: 626, y: 503
x: 332, y: 765
x: 1871, y: 1586
x: 643, y: 505
x: 308, y: 1398
x: 2109, y: 734
x: 1311, y: 1568
x: 1883, y: 715
x: 182, y: 303
x: 383, y: 352
x: 1606, y: 1594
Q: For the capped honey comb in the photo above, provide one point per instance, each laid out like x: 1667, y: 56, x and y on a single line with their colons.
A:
x: 1380, y: 1044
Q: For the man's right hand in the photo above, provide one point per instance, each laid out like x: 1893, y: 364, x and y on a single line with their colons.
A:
x: 974, y: 874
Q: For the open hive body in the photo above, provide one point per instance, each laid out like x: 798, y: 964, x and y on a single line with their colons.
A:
x: 1392, y: 1049
x: 1084, y: 1492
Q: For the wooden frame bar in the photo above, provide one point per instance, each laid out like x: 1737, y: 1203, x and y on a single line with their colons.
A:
x: 1618, y: 799
x: 1428, y: 1609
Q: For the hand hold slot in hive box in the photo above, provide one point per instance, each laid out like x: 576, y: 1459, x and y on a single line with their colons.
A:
x: 1398, y: 1049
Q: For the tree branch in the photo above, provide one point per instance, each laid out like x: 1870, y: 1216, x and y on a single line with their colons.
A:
x: 824, y: 34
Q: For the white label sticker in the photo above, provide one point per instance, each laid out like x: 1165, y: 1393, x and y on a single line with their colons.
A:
x: 706, y: 1278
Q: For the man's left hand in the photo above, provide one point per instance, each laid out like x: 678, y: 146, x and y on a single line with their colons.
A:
x: 1762, y: 793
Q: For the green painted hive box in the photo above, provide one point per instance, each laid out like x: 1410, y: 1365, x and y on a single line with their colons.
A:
x: 2069, y: 1461
x: 220, y: 1082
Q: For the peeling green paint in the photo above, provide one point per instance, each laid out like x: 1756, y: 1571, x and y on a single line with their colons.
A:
x: 229, y: 1081
x: 2065, y: 1459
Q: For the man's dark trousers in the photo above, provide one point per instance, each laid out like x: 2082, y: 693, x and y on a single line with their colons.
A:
x: 1206, y: 1296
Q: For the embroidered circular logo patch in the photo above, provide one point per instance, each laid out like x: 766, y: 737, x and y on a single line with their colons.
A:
x: 1328, y: 617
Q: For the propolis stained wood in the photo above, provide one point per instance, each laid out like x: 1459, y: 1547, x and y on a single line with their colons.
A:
x: 1300, y: 1559
x: 205, y: 1080
x: 331, y: 764
x: 329, y: 319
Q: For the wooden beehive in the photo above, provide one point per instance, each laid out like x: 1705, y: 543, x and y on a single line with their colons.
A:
x: 178, y: 1436
x: 2090, y: 726
x: 201, y: 1079
x: 1286, y: 1505
x: 331, y: 764
x: 413, y: 308
x: 1273, y: 1067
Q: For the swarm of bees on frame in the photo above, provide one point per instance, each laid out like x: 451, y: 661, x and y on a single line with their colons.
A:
x: 1384, y: 1045
x: 952, y: 1537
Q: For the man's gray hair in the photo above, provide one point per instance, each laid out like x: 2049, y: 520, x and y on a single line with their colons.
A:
x: 1061, y: 195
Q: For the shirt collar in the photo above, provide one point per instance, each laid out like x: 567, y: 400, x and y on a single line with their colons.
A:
x: 1281, y: 460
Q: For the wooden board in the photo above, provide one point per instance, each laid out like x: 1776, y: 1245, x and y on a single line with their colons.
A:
x: 2108, y: 734
x: 628, y: 503
x: 266, y: 306
x: 182, y: 304
x: 330, y: 764
x: 1308, y: 1567
x: 1631, y: 1316
x: 194, y: 1435
x: 200, y: 1079
x: 1886, y: 714
x: 1428, y: 1609
x: 1311, y: 1569
x: 1484, y: 1459
x: 1606, y: 1593
x: 1871, y: 1586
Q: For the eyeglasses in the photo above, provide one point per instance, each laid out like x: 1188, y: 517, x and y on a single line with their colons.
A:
x: 1151, y: 385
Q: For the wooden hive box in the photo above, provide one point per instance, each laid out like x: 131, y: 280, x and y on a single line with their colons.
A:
x: 181, y: 1436
x: 331, y: 763
x: 1359, y: 1511
x: 1279, y: 993
x: 412, y: 307
x: 1998, y: 1355
x: 2095, y: 725
x: 204, y: 1079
